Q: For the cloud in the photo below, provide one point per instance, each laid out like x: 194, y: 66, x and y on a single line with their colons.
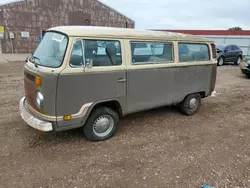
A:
x: 8, y: 1
x: 183, y: 14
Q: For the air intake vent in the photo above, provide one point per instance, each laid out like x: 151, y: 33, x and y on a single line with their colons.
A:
x: 214, y: 50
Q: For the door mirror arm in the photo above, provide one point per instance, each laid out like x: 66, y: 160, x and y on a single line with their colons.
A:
x: 89, y: 63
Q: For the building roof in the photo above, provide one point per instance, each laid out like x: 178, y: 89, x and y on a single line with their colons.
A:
x: 211, y: 32
x: 98, y: 1
x: 112, y: 32
x: 109, y: 7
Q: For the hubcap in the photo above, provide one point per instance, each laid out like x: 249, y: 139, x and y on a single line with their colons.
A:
x: 193, y: 104
x: 103, y: 125
x: 221, y: 61
x: 238, y: 61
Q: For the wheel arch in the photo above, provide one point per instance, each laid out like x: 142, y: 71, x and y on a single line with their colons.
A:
x: 113, y: 104
x: 222, y: 56
x: 202, y: 94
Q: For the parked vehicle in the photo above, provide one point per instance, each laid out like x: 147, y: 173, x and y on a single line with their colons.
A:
x: 89, y: 77
x: 229, y: 53
x: 245, y: 68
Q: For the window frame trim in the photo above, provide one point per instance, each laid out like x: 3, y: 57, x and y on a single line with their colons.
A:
x: 183, y: 42
x: 107, y: 40
x: 83, y: 55
x: 65, y: 51
x: 151, y: 62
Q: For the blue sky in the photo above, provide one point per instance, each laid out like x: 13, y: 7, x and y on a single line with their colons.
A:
x: 183, y: 14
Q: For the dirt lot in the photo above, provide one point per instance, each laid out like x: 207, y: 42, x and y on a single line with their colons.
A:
x: 157, y: 148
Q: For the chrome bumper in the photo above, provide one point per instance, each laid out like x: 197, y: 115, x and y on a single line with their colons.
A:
x: 33, y: 121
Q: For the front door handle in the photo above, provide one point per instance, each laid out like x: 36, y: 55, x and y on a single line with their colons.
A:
x: 122, y: 80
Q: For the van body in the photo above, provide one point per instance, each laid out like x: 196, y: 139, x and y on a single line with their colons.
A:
x: 89, y: 77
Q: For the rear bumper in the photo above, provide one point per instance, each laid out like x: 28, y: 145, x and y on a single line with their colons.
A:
x: 31, y: 120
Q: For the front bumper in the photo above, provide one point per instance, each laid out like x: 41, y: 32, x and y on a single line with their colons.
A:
x: 31, y: 120
x: 244, y: 69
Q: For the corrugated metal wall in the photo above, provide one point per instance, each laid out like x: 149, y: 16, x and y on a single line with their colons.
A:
x: 33, y: 16
x: 242, y: 41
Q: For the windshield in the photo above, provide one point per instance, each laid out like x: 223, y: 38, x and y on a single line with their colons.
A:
x: 51, y: 50
x: 220, y: 47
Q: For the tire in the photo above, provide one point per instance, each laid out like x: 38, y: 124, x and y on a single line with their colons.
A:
x: 238, y: 61
x: 221, y: 61
x: 187, y: 107
x: 99, y: 117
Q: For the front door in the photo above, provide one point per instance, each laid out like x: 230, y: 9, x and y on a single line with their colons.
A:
x: 228, y: 53
x: 98, y: 75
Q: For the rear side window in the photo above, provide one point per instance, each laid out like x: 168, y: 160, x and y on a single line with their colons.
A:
x: 235, y: 48
x: 193, y: 52
x: 151, y: 52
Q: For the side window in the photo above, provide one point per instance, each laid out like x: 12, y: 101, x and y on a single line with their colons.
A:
x: 228, y: 48
x: 193, y: 52
x: 151, y: 52
x: 235, y: 48
x: 102, y: 52
x: 76, y: 58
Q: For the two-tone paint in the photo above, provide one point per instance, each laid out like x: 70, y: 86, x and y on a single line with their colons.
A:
x: 130, y: 88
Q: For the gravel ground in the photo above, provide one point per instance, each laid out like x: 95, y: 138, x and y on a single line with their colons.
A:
x: 156, y: 148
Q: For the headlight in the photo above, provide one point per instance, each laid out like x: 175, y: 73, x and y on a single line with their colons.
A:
x: 39, y: 100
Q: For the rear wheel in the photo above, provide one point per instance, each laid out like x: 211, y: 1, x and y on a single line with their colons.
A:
x: 191, y: 104
x: 101, y: 124
x: 238, y: 61
x: 220, y: 61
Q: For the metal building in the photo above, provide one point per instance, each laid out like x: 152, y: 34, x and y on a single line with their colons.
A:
x: 240, y: 38
x: 23, y: 22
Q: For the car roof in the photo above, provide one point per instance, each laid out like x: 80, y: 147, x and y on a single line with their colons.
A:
x: 227, y: 45
x: 222, y: 44
x: 112, y: 32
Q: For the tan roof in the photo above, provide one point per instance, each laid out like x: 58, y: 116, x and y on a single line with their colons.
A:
x: 125, y: 33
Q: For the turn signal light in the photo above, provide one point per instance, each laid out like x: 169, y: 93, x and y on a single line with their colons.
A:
x: 38, y: 80
x: 67, y: 118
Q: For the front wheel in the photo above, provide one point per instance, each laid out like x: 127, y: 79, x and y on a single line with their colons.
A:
x: 101, y: 124
x: 191, y: 104
x: 220, y: 61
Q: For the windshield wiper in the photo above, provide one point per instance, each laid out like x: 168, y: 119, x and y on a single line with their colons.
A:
x: 34, y: 60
